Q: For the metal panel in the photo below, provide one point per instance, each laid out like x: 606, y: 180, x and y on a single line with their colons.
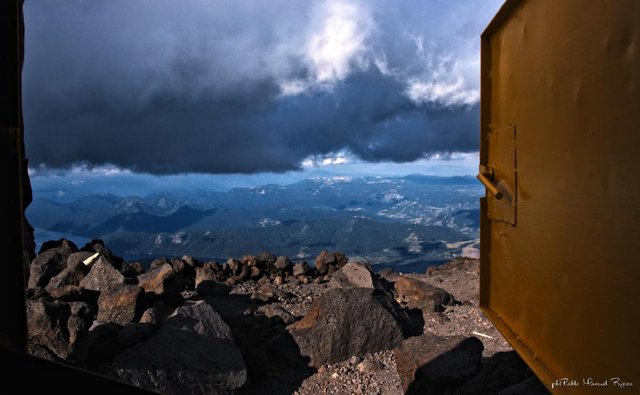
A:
x: 561, y: 278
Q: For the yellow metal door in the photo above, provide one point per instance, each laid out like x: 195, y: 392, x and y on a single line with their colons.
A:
x: 560, y: 156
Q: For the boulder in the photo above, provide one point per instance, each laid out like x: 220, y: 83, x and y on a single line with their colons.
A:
x: 264, y: 259
x: 52, y: 244
x: 81, y: 256
x: 56, y: 326
x: 328, y: 262
x: 193, y: 352
x: 71, y: 275
x: 46, y: 326
x: 388, y: 274
x: 282, y: 263
x: 121, y: 305
x: 159, y: 284
x: 255, y: 272
x: 101, y: 276
x: 185, y: 274
x: 191, y: 261
x: 345, y: 322
x: 300, y: 269
x: 49, y: 263
x: 152, y: 315
x: 97, y: 245
x: 74, y: 293
x: 418, y: 294
x: 213, y: 265
x: 79, y: 323
x: 132, y: 270
x: 233, y: 266
x: 244, y: 274
x: 156, y: 263
x: 354, y: 275
x: 207, y: 284
x: 437, y: 364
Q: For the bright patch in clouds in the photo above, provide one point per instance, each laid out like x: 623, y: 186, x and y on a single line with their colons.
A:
x: 445, y: 93
x: 334, y: 47
x: 339, y: 158
x: 340, y: 43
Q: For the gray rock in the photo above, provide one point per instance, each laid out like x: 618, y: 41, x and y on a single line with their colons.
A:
x: 79, y: 256
x: 185, y: 274
x: 418, y: 294
x: 152, y: 315
x: 67, y: 244
x: 56, y: 326
x: 346, y: 322
x: 46, y: 326
x: 354, y: 275
x: 48, y: 264
x: 437, y: 364
x: 102, y: 276
x: 264, y: 259
x: 97, y: 245
x: 370, y: 366
x: 323, y: 261
x: 193, y: 352
x: 282, y: 263
x: 300, y: 269
x: 121, y: 305
x: 388, y: 274
x: 160, y: 284
x: 158, y: 262
x: 207, y: 283
x: 71, y: 275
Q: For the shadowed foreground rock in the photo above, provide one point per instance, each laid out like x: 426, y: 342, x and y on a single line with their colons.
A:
x: 55, y: 327
x: 193, y: 352
x: 346, y: 322
x: 501, y: 371
x: 435, y: 364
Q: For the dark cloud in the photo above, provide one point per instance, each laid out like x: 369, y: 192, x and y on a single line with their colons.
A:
x: 203, y: 86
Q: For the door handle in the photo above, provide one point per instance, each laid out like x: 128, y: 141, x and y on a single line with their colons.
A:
x: 490, y: 186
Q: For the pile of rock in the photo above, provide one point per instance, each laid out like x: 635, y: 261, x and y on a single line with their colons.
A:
x: 89, y: 308
x: 185, y: 326
x: 265, y: 268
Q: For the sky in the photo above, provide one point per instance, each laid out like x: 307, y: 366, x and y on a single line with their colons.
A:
x: 251, y: 91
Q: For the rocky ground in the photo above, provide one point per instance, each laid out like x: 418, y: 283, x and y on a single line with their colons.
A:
x: 265, y: 325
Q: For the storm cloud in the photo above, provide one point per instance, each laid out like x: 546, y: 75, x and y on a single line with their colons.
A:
x: 249, y: 86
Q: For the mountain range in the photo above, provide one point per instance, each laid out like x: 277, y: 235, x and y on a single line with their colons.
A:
x: 411, y: 220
